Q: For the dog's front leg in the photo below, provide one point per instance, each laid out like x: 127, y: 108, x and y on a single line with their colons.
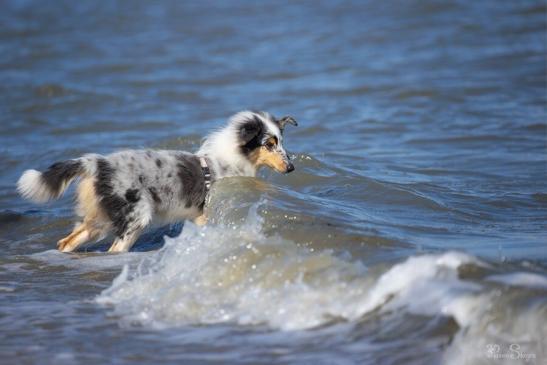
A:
x: 124, y: 243
x: 201, y: 220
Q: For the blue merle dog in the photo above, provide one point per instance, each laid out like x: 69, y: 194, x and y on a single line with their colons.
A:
x: 122, y: 193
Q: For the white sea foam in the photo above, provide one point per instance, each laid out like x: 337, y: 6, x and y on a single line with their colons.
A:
x: 428, y: 285
x: 521, y: 279
x: 237, y: 274
x: 88, y: 262
x: 504, y: 332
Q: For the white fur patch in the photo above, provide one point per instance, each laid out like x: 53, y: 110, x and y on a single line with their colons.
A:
x: 32, y: 187
x: 222, y: 146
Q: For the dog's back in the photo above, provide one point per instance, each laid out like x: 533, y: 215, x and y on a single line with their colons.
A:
x: 122, y: 192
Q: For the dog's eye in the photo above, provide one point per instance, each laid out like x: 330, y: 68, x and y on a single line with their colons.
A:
x: 270, y: 145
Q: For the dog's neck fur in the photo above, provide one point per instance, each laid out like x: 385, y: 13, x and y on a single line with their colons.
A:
x: 224, y: 156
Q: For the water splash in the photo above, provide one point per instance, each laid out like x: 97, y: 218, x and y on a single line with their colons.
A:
x: 236, y: 274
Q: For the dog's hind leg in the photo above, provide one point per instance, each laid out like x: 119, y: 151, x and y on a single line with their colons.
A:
x: 81, y: 234
x: 75, y: 233
x: 94, y: 224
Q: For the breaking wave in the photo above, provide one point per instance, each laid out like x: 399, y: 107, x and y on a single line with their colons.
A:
x: 236, y: 274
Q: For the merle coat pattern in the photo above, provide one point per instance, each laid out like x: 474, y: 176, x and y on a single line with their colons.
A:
x: 124, y: 192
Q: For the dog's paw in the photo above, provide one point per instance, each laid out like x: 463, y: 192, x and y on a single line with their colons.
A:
x: 201, y: 220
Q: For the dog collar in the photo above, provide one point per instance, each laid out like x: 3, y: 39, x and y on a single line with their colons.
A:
x: 206, y: 173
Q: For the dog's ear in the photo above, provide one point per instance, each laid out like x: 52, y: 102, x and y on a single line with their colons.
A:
x: 250, y: 130
x: 286, y: 120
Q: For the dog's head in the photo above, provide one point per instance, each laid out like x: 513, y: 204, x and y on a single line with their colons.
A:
x: 260, y: 138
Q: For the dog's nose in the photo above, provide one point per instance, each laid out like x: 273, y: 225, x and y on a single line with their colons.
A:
x: 290, y: 167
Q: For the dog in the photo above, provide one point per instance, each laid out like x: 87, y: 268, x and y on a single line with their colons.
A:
x: 124, y: 192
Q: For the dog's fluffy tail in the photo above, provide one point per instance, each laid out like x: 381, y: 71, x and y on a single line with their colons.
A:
x: 50, y: 184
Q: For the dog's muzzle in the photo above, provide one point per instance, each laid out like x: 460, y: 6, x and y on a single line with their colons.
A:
x: 290, y: 167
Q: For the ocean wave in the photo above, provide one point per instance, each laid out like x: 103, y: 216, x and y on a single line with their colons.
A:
x: 235, y: 274
x: 229, y: 273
